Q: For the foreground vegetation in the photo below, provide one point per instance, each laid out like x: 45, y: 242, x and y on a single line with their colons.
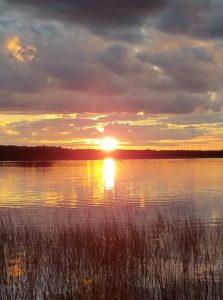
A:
x: 160, y: 259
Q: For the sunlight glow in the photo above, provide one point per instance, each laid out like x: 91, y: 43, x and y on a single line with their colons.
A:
x: 108, y: 144
x: 109, y: 173
x: 100, y: 129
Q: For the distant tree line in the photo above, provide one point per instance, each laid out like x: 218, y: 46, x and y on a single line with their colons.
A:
x: 48, y: 153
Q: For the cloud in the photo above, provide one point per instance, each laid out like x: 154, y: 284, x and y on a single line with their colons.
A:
x: 111, y: 12
x: 72, y: 76
x: 130, y: 129
x: 114, y: 18
x: 108, y: 57
x: 193, y: 69
x: 199, y: 18
x: 115, y: 58
x: 156, y: 132
x: 119, y: 20
x: 18, y: 51
x: 132, y: 34
x: 71, y: 129
x: 18, y: 78
x: 197, y: 119
x: 68, y: 102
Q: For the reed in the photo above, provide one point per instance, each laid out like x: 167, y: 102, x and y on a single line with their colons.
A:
x: 158, y: 259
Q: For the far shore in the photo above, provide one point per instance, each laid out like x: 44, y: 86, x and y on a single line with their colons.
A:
x: 49, y: 153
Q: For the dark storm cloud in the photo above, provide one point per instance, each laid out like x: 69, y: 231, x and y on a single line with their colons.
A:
x: 20, y: 78
x: 64, y: 102
x: 201, y: 18
x: 125, y: 34
x: 76, y: 68
x: 176, y: 103
x: 115, y: 59
x: 97, y: 12
x: 191, y: 68
x: 76, y: 71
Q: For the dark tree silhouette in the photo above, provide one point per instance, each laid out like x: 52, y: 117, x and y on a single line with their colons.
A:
x: 45, y: 153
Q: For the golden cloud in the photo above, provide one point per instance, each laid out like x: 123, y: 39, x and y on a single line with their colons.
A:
x: 18, y: 51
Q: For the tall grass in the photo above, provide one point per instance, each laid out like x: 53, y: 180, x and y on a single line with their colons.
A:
x: 159, y: 259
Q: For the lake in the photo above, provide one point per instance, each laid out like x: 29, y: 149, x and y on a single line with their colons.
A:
x: 141, y: 187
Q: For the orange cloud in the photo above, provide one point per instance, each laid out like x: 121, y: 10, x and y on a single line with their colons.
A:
x: 18, y: 51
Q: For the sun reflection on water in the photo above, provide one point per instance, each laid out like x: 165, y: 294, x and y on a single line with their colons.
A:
x: 109, y: 173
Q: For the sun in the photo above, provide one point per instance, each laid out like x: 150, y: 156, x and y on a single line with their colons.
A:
x: 108, y: 144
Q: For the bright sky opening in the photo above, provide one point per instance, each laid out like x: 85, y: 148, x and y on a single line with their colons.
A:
x: 109, y: 144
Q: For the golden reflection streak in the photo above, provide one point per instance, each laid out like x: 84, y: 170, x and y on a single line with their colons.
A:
x: 109, y: 173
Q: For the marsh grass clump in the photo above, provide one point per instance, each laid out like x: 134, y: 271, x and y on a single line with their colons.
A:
x: 159, y: 259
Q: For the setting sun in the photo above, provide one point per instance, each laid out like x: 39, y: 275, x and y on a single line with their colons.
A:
x: 108, y: 144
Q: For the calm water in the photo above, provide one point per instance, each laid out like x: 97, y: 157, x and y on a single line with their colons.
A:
x: 143, y: 186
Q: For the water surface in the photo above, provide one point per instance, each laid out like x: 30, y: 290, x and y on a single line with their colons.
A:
x: 145, y: 186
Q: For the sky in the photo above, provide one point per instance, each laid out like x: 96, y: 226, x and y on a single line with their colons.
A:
x: 146, y: 72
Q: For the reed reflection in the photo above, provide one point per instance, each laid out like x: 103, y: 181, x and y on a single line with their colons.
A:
x: 109, y: 173
x: 16, y: 266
